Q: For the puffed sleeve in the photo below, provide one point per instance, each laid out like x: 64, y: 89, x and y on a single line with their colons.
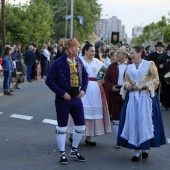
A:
x: 154, y: 75
x: 153, y: 83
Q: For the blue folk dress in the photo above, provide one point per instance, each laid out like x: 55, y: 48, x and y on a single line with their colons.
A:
x: 141, y: 125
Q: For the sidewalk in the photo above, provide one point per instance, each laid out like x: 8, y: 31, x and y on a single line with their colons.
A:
x: 2, y: 79
x: 1, y: 83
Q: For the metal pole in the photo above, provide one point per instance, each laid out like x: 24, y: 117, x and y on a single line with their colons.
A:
x: 3, y: 24
x: 66, y: 19
x: 71, y: 30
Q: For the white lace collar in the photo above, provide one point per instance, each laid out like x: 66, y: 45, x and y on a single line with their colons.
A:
x: 138, y: 75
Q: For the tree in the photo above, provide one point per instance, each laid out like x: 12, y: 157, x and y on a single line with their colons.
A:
x: 90, y: 9
x: 154, y: 32
x: 41, y: 20
x: 26, y: 24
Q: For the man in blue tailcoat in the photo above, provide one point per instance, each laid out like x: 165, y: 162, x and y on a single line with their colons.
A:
x: 68, y: 79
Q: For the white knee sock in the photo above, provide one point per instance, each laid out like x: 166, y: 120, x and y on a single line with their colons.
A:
x: 61, y: 140
x: 147, y: 151
x: 137, y: 153
x: 115, y: 127
x: 76, y: 139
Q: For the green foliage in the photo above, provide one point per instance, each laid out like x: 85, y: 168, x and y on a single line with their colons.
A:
x: 154, y: 32
x: 42, y: 20
x: 26, y: 24
x: 90, y: 9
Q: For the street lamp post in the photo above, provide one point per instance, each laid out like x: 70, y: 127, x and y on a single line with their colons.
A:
x: 71, y: 29
x: 3, y: 24
x: 66, y: 19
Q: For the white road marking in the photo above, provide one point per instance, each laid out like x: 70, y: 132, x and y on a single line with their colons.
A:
x: 21, y: 117
x: 1, y: 113
x: 168, y: 139
x: 50, y: 121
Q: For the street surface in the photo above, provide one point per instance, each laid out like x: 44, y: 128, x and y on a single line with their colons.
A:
x: 27, y: 137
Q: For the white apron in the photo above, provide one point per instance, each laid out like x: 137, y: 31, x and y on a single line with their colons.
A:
x: 92, y: 101
x: 138, y: 126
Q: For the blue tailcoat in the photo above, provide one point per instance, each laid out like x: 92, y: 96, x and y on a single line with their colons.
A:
x: 58, y: 78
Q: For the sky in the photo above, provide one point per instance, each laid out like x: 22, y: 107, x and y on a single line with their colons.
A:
x: 133, y: 12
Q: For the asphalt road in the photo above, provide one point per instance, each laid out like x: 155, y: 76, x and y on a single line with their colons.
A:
x: 31, y: 145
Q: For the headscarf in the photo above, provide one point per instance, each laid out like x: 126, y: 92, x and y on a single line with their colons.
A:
x: 69, y: 43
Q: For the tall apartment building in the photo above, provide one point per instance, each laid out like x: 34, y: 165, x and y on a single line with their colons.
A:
x: 106, y: 26
x: 101, y: 27
x: 136, y: 31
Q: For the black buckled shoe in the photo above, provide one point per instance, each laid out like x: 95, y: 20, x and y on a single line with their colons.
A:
x: 90, y: 143
x: 145, y: 155
x: 136, y: 158
x: 76, y: 156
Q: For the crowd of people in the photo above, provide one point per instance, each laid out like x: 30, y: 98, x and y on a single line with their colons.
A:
x: 16, y: 66
x: 98, y: 88
x: 97, y: 84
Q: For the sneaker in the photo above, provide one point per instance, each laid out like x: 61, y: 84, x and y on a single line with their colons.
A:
x: 76, y: 156
x: 63, y: 160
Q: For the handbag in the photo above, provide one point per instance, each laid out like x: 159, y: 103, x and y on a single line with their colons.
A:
x: 14, y: 73
x: 20, y: 77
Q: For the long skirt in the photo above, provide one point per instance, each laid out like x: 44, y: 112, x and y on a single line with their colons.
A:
x: 95, y: 127
x: 159, y: 135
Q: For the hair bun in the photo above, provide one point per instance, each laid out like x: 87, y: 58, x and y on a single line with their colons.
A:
x: 87, y: 42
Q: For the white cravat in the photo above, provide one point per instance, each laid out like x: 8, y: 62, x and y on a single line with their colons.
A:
x: 159, y: 52
x: 122, y: 68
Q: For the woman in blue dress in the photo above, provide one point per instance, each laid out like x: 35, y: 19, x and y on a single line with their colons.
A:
x: 141, y: 124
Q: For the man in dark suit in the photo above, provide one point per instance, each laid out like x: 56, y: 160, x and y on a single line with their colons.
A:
x: 68, y: 79
x: 148, y: 52
x: 29, y: 61
x: 164, y: 65
x: 155, y: 57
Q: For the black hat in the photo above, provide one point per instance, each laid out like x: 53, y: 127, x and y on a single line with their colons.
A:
x: 99, y: 43
x: 168, y: 47
x: 146, y: 48
x: 159, y: 44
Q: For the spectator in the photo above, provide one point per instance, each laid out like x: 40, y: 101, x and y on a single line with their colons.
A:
x: 43, y: 62
x: 60, y: 51
x: 8, y: 68
x: 29, y: 61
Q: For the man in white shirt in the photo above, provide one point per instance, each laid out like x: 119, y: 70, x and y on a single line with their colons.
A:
x: 47, y: 55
